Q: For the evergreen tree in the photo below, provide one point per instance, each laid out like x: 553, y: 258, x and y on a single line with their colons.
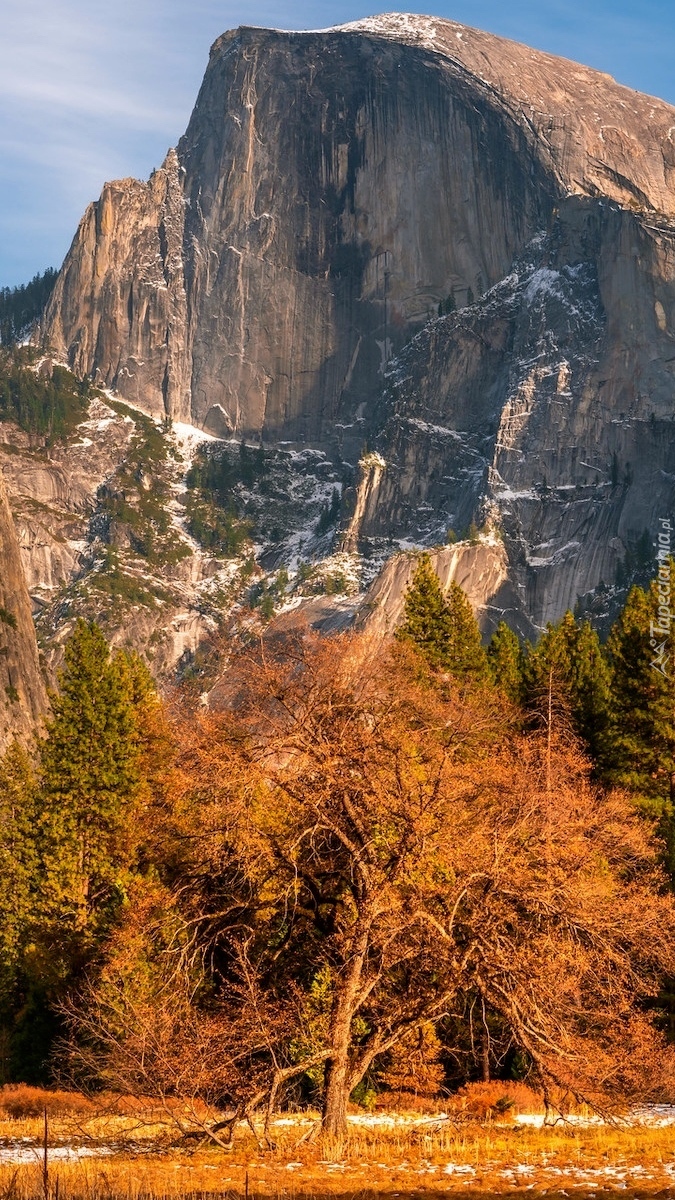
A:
x: 47, y: 407
x: 425, y: 614
x: 568, y: 667
x: 445, y: 631
x: 505, y: 660
x: 642, y: 660
x: 465, y: 657
x: 548, y: 665
x: 18, y: 863
x: 21, y: 306
x: 23, y: 1046
x: 591, y: 692
x: 89, y: 777
x: 70, y: 838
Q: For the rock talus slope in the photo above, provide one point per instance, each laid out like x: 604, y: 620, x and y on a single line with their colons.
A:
x: 280, y: 275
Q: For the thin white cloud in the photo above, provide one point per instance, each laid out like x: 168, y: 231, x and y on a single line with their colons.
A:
x: 97, y: 89
x: 75, y: 57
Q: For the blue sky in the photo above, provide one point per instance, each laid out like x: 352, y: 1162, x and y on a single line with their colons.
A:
x: 96, y: 89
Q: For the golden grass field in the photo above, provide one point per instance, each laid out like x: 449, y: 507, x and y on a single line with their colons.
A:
x: 136, y: 1154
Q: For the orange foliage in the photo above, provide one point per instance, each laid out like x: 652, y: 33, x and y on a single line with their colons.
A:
x: 356, y: 850
x: 414, y: 1066
x: 496, y: 1098
x: 19, y: 1100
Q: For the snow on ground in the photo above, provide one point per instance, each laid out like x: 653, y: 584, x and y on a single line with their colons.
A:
x: 621, y: 1174
x: 24, y: 1151
x: 426, y: 427
x: 647, y: 1116
x: 188, y: 438
x: 101, y: 416
x: 559, y: 555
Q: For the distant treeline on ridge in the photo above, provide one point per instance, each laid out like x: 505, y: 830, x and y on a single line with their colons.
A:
x: 21, y: 306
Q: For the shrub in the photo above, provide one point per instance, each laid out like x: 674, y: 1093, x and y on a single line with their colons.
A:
x: 19, y: 1100
x: 496, y: 1098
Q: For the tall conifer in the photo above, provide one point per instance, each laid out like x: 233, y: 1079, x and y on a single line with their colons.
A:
x: 505, y: 661
x: 465, y: 656
x: 642, y: 662
x: 591, y: 692
x: 69, y: 837
x: 445, y: 630
x: 18, y: 862
x: 425, y: 614
x: 89, y: 774
x: 568, y: 667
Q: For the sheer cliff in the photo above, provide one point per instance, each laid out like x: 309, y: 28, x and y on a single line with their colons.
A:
x: 23, y: 697
x: 280, y: 276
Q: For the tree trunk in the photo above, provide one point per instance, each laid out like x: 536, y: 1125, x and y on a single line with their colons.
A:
x: 485, y: 1061
x: 337, y: 1085
x: 335, y: 1097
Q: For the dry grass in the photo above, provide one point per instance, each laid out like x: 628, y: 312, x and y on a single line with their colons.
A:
x: 132, y: 1158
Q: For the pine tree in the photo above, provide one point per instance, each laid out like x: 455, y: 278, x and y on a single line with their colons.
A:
x: 642, y: 661
x: 70, y: 836
x: 567, y: 667
x: 591, y: 692
x: 465, y: 657
x: 505, y: 660
x: 23, y: 1048
x: 18, y: 863
x: 445, y: 631
x: 20, y: 306
x: 89, y: 776
x: 426, y: 619
x: 548, y: 660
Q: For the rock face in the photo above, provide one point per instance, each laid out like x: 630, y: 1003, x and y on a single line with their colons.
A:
x: 329, y: 190
x: 120, y: 305
x: 72, y: 545
x: 481, y: 569
x: 279, y: 277
x: 52, y: 495
x: 23, y: 699
x: 546, y: 408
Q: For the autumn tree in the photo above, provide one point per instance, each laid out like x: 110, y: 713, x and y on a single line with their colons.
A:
x: 414, y: 1065
x: 146, y: 1024
x: 361, y: 852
